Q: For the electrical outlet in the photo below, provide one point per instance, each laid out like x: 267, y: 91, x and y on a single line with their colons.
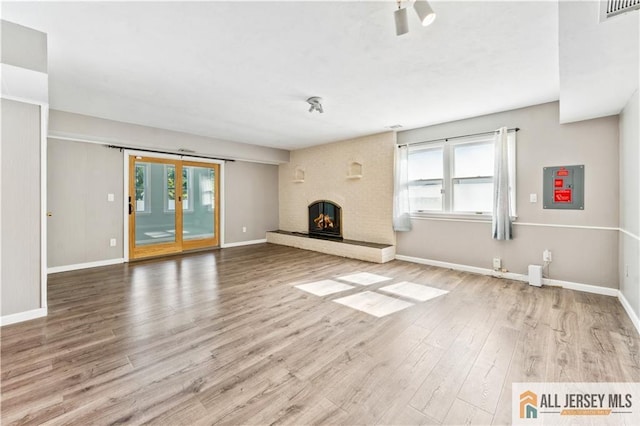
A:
x: 112, y: 242
x: 111, y: 197
x: 546, y: 256
x: 497, y: 263
x: 244, y: 229
x: 533, y: 198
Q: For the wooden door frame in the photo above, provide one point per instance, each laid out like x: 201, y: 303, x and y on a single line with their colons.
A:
x: 215, y: 241
x: 160, y: 248
x: 127, y: 153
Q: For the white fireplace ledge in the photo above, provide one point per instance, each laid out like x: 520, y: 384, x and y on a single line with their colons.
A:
x: 370, y: 252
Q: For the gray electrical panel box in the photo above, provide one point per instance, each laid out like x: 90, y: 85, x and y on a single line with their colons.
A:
x: 563, y: 187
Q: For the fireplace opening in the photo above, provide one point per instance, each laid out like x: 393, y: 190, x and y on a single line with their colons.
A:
x: 325, y: 220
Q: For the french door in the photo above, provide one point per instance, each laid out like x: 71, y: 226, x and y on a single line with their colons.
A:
x: 173, y: 206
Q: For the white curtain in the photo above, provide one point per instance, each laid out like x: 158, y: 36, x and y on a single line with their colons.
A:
x: 401, y: 218
x: 501, y: 220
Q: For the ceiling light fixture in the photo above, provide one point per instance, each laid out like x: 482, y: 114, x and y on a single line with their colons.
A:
x: 315, y: 103
x: 400, y: 16
x: 423, y: 10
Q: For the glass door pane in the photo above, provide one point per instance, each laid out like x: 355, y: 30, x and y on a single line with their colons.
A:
x: 198, y: 217
x: 153, y: 215
x: 200, y: 187
x: 155, y: 203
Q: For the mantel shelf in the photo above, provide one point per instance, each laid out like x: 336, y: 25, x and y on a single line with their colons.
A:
x: 354, y: 176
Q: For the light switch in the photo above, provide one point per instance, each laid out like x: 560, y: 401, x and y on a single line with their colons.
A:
x: 533, y: 198
x: 111, y: 197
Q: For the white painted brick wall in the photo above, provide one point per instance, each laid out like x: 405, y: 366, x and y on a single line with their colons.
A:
x: 367, y: 203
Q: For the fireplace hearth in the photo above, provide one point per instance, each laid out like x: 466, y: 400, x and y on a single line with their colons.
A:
x: 325, y: 220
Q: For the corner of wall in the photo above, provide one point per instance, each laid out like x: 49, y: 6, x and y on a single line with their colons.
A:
x: 25, y: 99
x: 629, y: 241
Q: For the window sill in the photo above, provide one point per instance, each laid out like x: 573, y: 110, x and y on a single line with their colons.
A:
x: 466, y: 217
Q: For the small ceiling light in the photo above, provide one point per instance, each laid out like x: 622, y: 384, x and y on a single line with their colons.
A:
x: 315, y: 103
x: 424, y: 11
x: 400, y: 15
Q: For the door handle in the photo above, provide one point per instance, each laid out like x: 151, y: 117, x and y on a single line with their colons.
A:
x: 130, y: 208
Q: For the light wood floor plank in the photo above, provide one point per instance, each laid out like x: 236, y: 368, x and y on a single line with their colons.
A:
x: 440, y: 388
x: 484, y: 383
x: 463, y: 413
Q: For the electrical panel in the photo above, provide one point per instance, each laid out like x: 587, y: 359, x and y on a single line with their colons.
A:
x: 563, y: 187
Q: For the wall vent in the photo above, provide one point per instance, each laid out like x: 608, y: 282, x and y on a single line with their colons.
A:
x: 612, y: 8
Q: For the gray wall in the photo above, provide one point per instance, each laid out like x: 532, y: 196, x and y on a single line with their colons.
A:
x: 20, y: 168
x: 586, y: 256
x: 23, y: 47
x: 79, y: 177
x: 251, y: 200
x: 20, y: 189
x: 629, y: 202
x: 100, y: 130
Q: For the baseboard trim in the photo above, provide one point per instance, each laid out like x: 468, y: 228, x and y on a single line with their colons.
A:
x: 440, y: 264
x: 587, y: 288
x: 627, y: 307
x: 244, y: 243
x: 75, y: 267
x: 23, y: 316
x: 606, y: 291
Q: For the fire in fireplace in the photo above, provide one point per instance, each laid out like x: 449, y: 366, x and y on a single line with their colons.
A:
x: 325, y: 220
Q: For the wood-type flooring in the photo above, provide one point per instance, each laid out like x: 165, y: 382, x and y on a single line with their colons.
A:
x: 223, y: 337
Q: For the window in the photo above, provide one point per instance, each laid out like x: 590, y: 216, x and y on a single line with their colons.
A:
x: 472, y: 177
x: 426, y: 179
x: 456, y: 176
x: 206, y: 188
x: 143, y: 202
x: 170, y: 189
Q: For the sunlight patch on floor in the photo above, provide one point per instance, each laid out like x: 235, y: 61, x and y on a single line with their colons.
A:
x: 324, y: 287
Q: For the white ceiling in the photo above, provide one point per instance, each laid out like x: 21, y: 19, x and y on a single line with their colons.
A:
x: 241, y: 71
x: 598, y: 61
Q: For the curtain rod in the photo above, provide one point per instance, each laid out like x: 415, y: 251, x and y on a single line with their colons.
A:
x: 514, y: 129
x: 182, y: 154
